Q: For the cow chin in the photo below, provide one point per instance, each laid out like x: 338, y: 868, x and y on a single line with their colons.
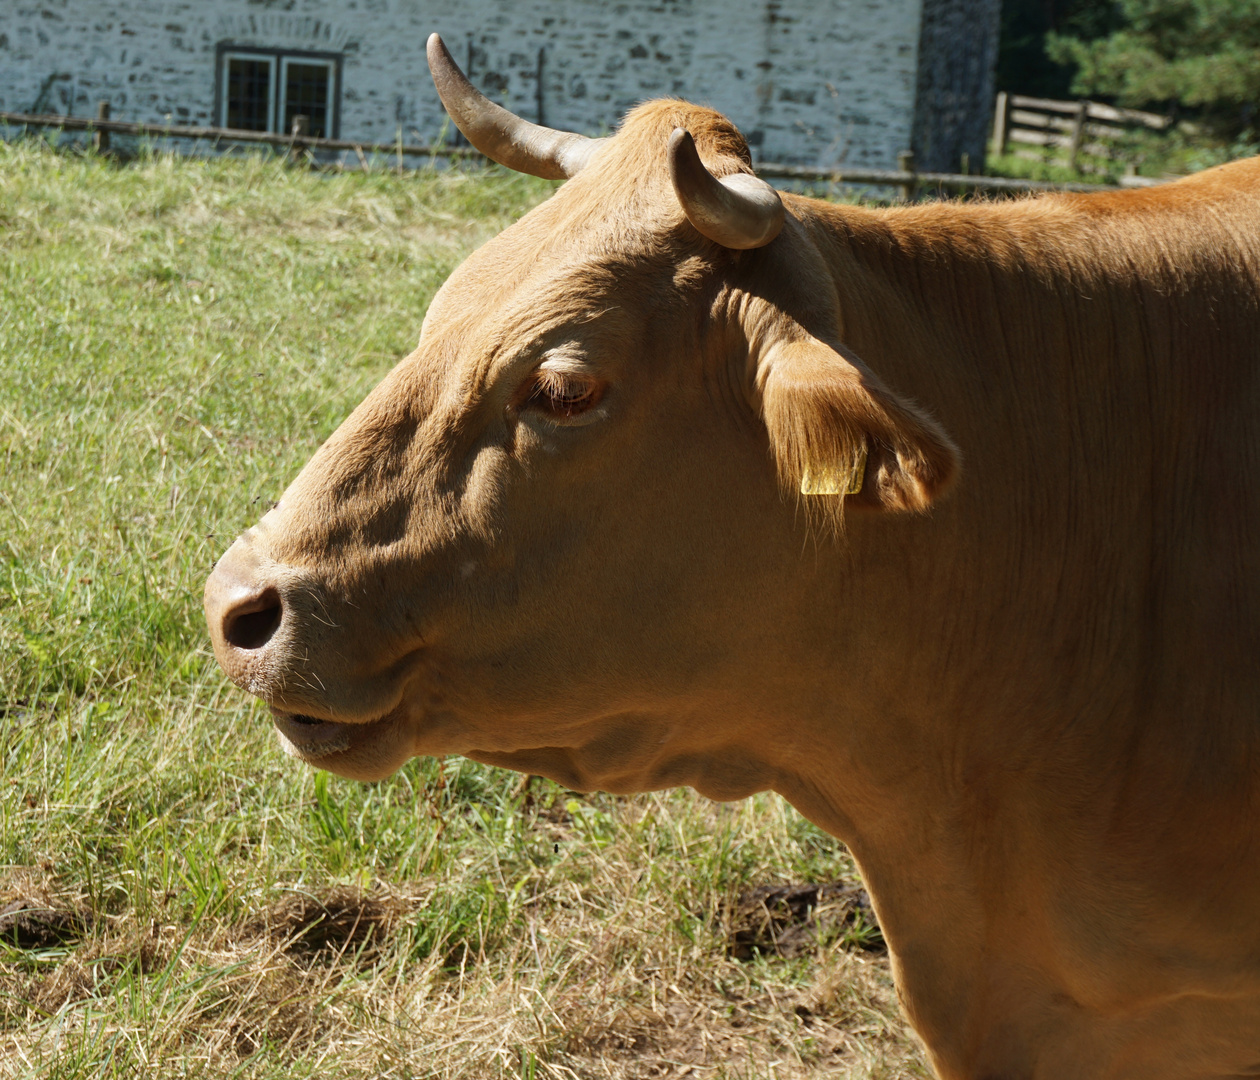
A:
x: 368, y: 751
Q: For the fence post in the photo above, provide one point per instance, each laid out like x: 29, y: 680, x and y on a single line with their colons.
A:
x: 905, y: 162
x: 538, y: 88
x: 1001, y: 124
x: 301, y: 124
x: 100, y: 139
x: 1078, y: 133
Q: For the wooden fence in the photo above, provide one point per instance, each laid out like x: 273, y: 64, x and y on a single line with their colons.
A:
x: 909, y: 183
x: 1083, y: 135
x: 101, y: 127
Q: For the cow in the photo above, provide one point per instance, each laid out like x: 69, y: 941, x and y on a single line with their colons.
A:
x: 942, y: 521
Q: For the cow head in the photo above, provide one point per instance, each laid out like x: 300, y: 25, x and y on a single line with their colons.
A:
x: 556, y: 536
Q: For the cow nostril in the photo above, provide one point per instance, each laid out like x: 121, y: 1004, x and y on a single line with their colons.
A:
x: 252, y: 624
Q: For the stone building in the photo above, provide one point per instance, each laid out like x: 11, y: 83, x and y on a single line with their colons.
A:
x: 813, y: 82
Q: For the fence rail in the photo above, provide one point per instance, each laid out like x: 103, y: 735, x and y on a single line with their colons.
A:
x: 1066, y: 130
x: 907, y: 180
x: 294, y: 141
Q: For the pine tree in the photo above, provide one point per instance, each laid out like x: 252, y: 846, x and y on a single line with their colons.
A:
x: 1204, y: 54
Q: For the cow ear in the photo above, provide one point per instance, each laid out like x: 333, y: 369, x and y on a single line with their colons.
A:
x: 840, y: 437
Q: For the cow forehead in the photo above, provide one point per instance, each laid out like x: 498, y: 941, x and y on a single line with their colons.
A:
x: 612, y: 238
x: 602, y: 269
x: 600, y: 309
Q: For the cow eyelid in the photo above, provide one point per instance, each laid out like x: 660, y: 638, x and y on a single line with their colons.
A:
x: 562, y: 395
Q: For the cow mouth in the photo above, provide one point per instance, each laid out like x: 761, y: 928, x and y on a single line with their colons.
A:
x: 309, y: 737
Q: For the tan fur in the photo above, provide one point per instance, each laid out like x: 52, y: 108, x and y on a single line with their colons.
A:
x: 1031, y: 709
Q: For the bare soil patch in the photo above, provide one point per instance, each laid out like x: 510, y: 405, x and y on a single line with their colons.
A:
x: 792, y: 920
x: 29, y: 923
x: 328, y: 922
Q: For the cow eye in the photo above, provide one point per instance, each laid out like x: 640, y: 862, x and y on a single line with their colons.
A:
x: 563, y: 395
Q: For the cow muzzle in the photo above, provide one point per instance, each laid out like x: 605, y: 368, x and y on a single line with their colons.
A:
x: 245, y: 613
x: 265, y: 620
x: 278, y: 634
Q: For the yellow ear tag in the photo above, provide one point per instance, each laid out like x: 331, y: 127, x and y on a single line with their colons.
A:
x: 835, y: 481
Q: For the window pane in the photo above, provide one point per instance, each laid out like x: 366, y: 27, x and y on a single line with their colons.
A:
x: 306, y: 94
x: 248, y: 94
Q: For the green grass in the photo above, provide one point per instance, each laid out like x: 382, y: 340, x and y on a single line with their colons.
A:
x: 1176, y: 152
x: 1020, y: 168
x: 176, y: 338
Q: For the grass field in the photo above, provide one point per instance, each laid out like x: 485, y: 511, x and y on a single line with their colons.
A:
x: 1161, y: 155
x: 179, y: 899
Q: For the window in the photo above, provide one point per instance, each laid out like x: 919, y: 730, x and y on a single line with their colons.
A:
x: 249, y: 93
x: 307, y: 91
x: 264, y: 89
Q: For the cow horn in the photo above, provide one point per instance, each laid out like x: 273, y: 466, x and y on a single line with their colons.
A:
x: 739, y: 211
x: 500, y: 135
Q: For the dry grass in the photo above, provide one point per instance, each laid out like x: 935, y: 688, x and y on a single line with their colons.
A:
x: 178, y: 899
x: 589, y: 968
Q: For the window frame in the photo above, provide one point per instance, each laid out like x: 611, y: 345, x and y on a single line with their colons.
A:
x: 227, y: 51
x: 224, y: 63
x: 282, y: 86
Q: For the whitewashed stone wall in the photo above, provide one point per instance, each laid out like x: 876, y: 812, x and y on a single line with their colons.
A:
x: 816, y: 82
